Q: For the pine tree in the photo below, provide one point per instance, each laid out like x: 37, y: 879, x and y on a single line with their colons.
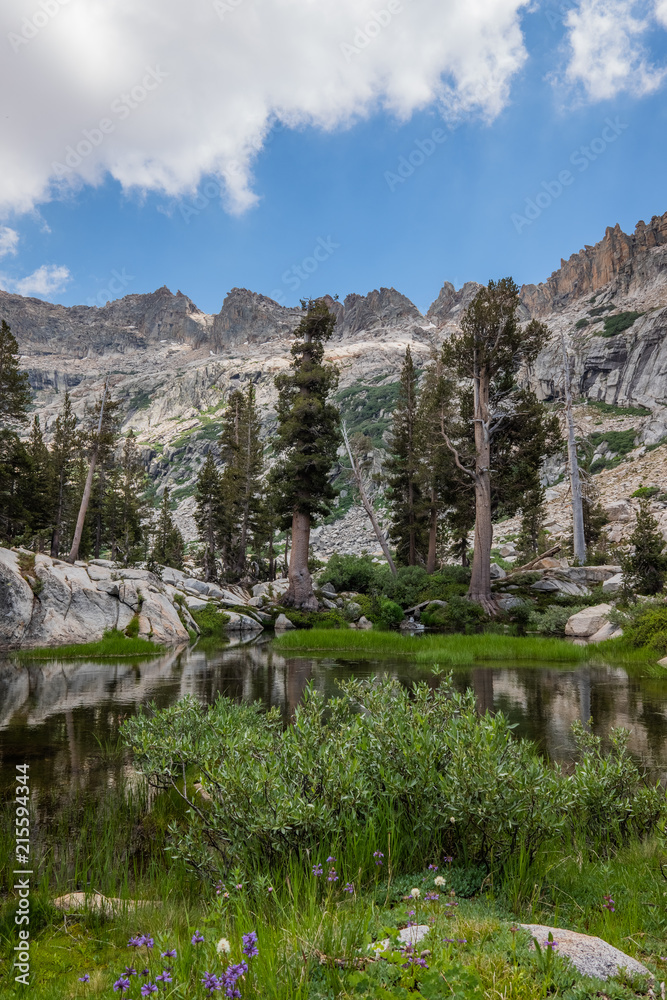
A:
x: 646, y: 568
x: 531, y: 533
x: 208, y: 513
x: 168, y: 547
x: 487, y: 355
x: 409, y: 511
x: 125, y: 505
x: 14, y: 384
x: 40, y: 500
x: 15, y: 462
x: 63, y: 459
x: 307, y: 439
x: 240, y: 482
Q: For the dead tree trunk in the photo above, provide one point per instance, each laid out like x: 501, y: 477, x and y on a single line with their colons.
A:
x: 85, y: 500
x: 578, y: 536
x: 368, y: 506
x: 480, y: 579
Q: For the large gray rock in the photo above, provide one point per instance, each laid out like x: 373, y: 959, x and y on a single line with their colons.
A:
x: 283, y: 622
x: 620, y: 510
x: 241, y: 623
x: 588, y: 621
x: 275, y: 588
x: 613, y: 584
x: 591, y: 956
x: 70, y: 605
x: 16, y: 601
x: 497, y: 572
x: 607, y: 631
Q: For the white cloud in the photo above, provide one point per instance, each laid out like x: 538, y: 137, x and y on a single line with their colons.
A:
x: 46, y: 280
x: 661, y: 12
x: 9, y: 240
x: 607, y: 50
x: 232, y: 67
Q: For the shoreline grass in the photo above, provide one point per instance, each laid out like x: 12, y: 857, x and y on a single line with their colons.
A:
x: 453, y: 649
x: 113, y: 644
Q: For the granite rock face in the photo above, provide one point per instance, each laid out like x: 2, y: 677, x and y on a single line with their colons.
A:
x: 52, y: 603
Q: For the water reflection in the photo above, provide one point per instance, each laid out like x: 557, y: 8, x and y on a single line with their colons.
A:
x: 57, y: 715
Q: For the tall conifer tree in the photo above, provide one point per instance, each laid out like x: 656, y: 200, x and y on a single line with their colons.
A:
x: 409, y: 511
x: 307, y: 441
x: 208, y: 514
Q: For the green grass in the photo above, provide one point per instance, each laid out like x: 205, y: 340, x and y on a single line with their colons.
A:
x: 454, y: 650
x: 113, y: 644
x: 443, y: 649
x: 618, y: 411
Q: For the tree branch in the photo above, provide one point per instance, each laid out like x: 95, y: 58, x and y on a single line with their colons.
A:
x: 454, y: 452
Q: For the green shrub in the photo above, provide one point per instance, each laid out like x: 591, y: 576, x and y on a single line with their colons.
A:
x: 348, y: 572
x: 316, y: 619
x: 132, y: 630
x: 580, y: 324
x: 646, y: 492
x: 462, y: 616
x: 212, y: 622
x: 554, y: 619
x: 644, y: 625
x: 391, y: 613
x: 419, y: 764
x: 619, y: 322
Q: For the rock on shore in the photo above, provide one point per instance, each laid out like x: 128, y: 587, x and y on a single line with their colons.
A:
x: 47, y: 602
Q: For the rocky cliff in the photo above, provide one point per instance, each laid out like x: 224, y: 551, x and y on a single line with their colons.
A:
x: 173, y: 366
x: 618, y: 258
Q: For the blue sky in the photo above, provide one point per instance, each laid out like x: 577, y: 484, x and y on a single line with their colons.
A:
x: 321, y: 206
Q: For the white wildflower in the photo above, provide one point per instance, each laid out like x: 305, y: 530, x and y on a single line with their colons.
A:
x: 223, y: 947
x: 415, y: 893
x: 439, y: 880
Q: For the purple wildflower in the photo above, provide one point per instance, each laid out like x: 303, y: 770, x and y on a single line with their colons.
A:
x: 349, y: 887
x: 135, y: 942
x: 465, y: 941
x: 270, y: 889
x: 164, y: 977
x: 147, y: 989
x: 432, y: 897
x: 411, y: 913
x: 130, y: 971
x: 250, y: 944
x: 331, y: 860
x: 448, y: 940
x: 239, y: 886
x: 433, y: 868
x: 378, y: 855
x: 447, y: 860
x: 317, y: 869
x: 197, y: 938
x: 122, y: 983
x: 168, y: 954
x: 146, y: 940
x: 413, y: 960
x: 85, y: 978
x: 609, y: 904
x: 145, y: 972
x: 211, y: 982
x: 332, y: 876
x: 551, y: 944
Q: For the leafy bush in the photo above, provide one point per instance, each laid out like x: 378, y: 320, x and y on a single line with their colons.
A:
x: 316, y: 619
x: 348, y: 572
x: 619, y: 322
x: 420, y: 764
x: 410, y: 586
x: 391, y: 614
x: 212, y: 623
x: 646, y: 492
x: 644, y: 625
x: 554, y: 619
x: 580, y: 324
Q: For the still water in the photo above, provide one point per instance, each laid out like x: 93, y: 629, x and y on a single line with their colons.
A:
x: 60, y: 715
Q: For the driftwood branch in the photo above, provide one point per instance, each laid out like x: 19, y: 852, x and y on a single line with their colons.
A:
x: 522, y: 569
